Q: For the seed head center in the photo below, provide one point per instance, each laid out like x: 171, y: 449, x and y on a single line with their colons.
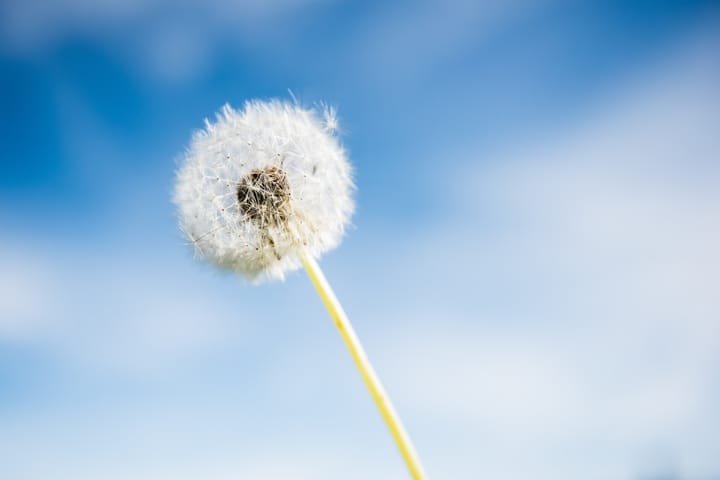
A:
x: 264, y: 196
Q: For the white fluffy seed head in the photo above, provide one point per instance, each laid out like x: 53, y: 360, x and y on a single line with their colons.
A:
x: 259, y: 185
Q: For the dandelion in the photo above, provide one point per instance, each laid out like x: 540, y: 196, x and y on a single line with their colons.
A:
x: 261, y: 185
x: 266, y: 190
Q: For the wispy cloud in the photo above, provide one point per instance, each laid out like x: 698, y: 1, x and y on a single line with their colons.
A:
x: 573, y: 290
x: 171, y: 42
x: 409, y: 40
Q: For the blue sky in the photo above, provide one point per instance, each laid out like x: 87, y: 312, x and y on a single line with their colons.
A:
x: 533, y: 265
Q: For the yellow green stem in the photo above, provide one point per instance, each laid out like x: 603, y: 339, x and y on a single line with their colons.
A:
x: 363, y: 364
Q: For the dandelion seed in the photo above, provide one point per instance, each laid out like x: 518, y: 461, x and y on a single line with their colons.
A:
x: 264, y: 190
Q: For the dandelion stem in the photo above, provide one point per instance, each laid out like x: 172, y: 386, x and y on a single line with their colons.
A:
x: 363, y: 364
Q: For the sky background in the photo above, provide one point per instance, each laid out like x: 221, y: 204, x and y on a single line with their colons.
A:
x: 533, y: 266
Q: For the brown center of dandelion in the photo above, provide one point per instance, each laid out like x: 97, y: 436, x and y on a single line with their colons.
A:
x: 264, y: 196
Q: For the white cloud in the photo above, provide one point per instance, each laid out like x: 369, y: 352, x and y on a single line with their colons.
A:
x: 26, y: 283
x: 35, y: 24
x: 569, y: 302
x: 175, y: 42
x: 169, y: 41
x: 100, y: 310
x: 407, y: 42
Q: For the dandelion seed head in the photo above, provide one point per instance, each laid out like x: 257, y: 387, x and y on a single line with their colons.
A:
x: 257, y: 185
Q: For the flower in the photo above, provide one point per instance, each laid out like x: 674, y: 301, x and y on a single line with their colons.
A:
x: 259, y: 185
